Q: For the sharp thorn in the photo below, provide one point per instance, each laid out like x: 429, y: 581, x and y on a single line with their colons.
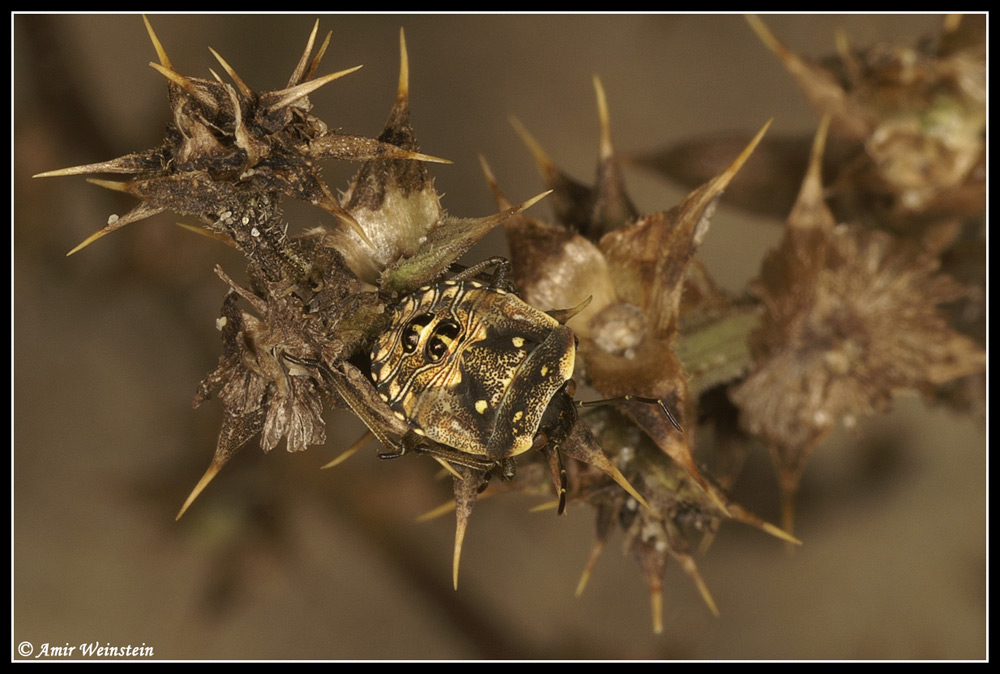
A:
x: 237, y: 80
x: 298, y: 75
x: 160, y: 51
x: 209, y: 475
x: 290, y: 95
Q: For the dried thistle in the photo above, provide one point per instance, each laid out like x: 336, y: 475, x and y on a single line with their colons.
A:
x: 907, y: 142
x: 636, y: 279
x: 294, y: 336
x: 851, y: 318
x: 919, y: 112
x: 317, y: 300
x: 862, y: 256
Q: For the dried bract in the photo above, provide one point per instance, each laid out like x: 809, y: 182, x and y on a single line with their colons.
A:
x: 318, y: 301
x: 851, y: 318
x: 477, y: 367
x: 632, y: 278
x: 920, y: 113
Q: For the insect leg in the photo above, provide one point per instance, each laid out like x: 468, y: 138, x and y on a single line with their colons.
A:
x: 412, y: 442
x: 639, y: 399
x: 353, y: 394
x: 558, y: 470
x: 501, y: 271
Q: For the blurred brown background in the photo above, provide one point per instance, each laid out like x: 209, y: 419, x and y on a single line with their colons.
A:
x: 280, y: 560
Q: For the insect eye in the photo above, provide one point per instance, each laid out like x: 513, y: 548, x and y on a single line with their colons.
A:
x: 412, y: 331
x: 441, y: 339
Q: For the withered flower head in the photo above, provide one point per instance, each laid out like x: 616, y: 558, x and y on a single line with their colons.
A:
x: 852, y: 316
x: 848, y: 316
x: 682, y: 518
x: 317, y: 300
x: 635, y: 274
x: 632, y: 279
x: 230, y: 155
x: 919, y: 111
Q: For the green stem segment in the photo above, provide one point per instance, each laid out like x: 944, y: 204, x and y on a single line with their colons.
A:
x: 718, y: 350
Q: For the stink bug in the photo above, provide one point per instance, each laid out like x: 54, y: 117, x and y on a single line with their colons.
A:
x: 476, y: 369
x: 480, y: 372
x: 478, y: 377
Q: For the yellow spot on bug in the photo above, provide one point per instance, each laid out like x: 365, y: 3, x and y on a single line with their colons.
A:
x: 545, y: 370
x: 481, y: 406
x: 518, y: 415
x: 518, y: 342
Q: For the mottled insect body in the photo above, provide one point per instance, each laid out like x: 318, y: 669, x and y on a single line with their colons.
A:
x: 475, y: 368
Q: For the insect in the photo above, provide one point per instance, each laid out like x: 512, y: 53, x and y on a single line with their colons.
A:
x: 481, y: 373
x: 475, y: 369
x: 477, y: 376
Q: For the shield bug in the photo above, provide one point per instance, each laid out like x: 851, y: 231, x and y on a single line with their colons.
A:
x: 477, y: 376
x: 484, y: 375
